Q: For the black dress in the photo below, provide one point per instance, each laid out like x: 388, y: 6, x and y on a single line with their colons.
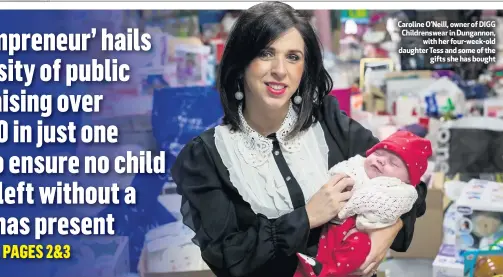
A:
x: 234, y: 240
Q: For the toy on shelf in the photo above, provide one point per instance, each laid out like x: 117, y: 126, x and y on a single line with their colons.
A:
x: 471, y: 89
x: 444, y: 112
x: 350, y: 49
x: 481, y: 207
x: 192, y: 64
x: 487, y: 226
x: 484, y: 263
x: 496, y: 79
x: 448, y: 111
x: 447, y: 94
x: 432, y: 109
x: 497, y: 244
x: 489, y: 266
x: 375, y: 36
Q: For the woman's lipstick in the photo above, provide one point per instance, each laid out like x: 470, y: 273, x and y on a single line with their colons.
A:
x: 276, y: 88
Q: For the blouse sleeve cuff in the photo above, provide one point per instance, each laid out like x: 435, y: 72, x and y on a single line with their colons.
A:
x: 422, y: 191
x: 404, y: 237
x: 290, y: 232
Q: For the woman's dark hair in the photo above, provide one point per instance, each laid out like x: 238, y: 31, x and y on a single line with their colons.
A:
x: 253, y: 31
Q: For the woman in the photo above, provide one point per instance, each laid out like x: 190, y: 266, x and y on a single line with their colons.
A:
x: 255, y: 189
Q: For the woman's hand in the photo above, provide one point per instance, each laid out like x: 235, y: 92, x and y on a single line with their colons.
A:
x: 381, y: 240
x: 329, y: 200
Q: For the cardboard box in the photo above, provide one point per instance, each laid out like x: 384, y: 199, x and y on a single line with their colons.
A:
x: 428, y: 232
x: 448, y: 263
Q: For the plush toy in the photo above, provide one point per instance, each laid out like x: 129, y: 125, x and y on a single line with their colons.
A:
x: 494, y: 239
x: 485, y: 224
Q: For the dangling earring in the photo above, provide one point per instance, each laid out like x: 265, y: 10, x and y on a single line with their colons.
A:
x: 297, y: 100
x: 239, y: 95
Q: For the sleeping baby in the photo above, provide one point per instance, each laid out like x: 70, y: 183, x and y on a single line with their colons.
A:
x: 384, y: 190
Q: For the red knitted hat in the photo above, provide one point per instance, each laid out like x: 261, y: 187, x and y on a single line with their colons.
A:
x: 413, y: 150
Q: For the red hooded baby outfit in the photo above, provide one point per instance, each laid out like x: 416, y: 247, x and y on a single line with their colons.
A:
x: 375, y: 203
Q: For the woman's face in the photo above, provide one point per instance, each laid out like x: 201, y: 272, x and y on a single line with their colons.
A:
x: 274, y: 76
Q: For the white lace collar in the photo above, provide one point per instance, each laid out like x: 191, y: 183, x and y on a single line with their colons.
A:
x: 255, y: 148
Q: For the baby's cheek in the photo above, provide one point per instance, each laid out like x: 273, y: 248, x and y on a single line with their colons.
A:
x: 366, y: 165
x: 368, y: 170
x: 394, y: 172
x: 403, y: 175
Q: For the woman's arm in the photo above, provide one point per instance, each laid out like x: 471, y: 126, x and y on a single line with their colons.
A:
x: 353, y: 139
x: 208, y: 210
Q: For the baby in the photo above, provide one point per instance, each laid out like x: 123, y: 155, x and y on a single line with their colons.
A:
x: 384, y: 190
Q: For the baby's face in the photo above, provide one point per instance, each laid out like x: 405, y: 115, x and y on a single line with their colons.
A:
x: 385, y: 163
